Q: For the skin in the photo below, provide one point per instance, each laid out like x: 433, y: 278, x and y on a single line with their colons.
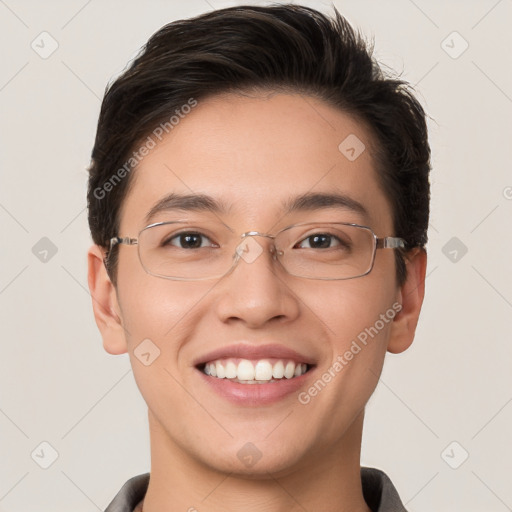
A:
x: 253, y: 152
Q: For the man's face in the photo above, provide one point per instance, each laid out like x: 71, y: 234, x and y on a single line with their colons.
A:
x: 254, y: 153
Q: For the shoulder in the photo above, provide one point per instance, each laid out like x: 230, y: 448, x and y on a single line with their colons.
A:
x: 379, y: 491
x: 130, y: 494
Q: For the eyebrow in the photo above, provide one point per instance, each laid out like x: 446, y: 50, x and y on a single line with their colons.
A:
x: 305, y: 202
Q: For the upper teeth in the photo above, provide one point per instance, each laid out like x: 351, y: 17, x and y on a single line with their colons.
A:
x: 262, y: 370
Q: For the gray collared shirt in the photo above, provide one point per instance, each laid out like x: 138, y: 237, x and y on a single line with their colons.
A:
x: 378, y: 491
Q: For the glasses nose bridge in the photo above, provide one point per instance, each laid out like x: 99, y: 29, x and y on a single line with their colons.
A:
x: 273, y: 249
x: 257, y: 233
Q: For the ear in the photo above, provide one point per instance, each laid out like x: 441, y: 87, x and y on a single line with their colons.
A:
x: 410, y: 296
x: 105, y: 305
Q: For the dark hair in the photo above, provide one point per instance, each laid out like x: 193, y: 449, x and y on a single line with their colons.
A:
x: 279, y: 48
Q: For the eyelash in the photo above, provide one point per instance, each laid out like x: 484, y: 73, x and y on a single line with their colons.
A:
x: 184, y: 233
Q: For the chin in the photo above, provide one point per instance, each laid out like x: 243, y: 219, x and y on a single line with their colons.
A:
x: 256, y: 460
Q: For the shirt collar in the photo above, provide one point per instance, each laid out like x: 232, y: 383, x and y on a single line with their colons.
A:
x: 379, y: 493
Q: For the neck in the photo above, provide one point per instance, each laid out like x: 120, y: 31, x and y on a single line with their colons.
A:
x: 328, y: 480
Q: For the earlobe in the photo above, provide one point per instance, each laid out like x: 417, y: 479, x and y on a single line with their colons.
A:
x: 411, y: 296
x: 105, y: 304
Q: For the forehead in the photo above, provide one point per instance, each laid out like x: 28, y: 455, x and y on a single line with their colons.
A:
x: 254, y: 156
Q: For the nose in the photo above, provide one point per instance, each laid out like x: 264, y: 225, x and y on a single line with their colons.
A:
x: 257, y: 289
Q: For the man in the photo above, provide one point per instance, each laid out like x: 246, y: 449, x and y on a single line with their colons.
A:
x: 258, y: 200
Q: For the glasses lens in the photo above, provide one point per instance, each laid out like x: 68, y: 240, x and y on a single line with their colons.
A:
x: 186, y: 250
x: 327, y: 251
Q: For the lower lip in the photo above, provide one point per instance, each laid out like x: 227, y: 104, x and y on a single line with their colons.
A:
x: 255, y: 394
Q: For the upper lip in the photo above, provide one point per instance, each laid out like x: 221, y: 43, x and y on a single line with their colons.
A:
x: 247, y: 351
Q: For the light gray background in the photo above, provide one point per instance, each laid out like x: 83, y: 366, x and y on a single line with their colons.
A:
x: 59, y: 386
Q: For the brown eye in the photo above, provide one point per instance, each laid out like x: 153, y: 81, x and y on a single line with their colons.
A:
x: 187, y: 240
x: 323, y: 241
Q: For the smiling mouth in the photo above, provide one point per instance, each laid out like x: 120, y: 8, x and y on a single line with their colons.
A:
x: 261, y: 371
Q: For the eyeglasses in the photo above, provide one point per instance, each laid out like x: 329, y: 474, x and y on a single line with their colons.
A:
x: 189, y: 251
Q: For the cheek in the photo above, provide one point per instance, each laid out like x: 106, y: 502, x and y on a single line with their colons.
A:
x: 155, y: 308
x: 150, y: 306
x: 157, y: 316
x: 350, y: 308
x: 359, y: 317
x: 159, y: 312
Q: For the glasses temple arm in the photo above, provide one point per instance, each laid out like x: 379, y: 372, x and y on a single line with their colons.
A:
x: 391, y: 242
